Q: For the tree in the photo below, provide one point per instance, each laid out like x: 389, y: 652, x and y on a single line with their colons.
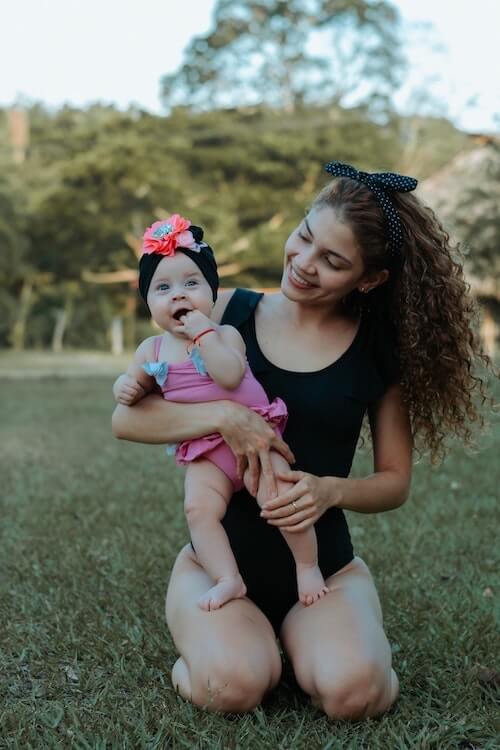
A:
x: 258, y: 52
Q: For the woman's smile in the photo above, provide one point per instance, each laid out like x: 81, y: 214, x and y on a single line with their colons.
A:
x: 297, y: 280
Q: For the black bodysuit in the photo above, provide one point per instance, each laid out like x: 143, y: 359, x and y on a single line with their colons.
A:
x: 326, y: 409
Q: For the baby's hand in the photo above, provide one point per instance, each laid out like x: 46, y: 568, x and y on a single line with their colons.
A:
x: 195, y: 322
x: 127, y: 390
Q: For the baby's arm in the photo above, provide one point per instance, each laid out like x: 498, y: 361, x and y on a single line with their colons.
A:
x: 132, y: 385
x: 222, y: 349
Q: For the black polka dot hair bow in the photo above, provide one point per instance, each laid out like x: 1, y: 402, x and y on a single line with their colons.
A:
x: 382, y: 184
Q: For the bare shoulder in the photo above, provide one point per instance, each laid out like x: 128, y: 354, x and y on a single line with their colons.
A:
x: 221, y: 304
x: 145, y: 350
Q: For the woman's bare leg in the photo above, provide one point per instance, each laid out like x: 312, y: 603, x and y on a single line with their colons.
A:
x: 207, y: 493
x: 303, y: 546
x: 338, y: 648
x: 229, y: 658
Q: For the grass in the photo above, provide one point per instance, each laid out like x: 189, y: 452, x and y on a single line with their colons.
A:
x: 90, y: 529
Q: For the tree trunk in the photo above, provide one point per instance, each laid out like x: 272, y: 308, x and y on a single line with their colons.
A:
x: 18, y: 332
x: 489, y: 330
x: 116, y: 331
x: 59, y: 330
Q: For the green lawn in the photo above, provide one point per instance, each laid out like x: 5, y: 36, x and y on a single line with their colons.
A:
x: 90, y: 528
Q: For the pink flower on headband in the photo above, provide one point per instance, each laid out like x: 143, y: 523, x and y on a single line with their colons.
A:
x: 164, y: 237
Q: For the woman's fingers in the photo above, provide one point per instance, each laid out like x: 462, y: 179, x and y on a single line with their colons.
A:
x: 267, y: 473
x: 253, y: 473
x: 290, y: 476
x: 282, y: 500
x: 280, y: 446
x: 241, y: 465
x: 291, y: 521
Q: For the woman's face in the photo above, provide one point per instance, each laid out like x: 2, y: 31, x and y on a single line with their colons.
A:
x: 177, y: 287
x: 323, y: 261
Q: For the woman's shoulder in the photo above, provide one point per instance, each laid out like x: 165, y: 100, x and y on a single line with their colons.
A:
x: 234, y: 306
x: 383, y: 343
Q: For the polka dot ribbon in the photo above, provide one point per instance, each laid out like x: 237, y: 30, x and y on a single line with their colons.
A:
x: 381, y: 184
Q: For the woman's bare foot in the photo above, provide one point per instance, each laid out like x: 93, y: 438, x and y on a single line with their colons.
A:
x: 224, y: 590
x: 311, y: 584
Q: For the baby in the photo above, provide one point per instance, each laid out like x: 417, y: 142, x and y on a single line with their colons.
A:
x: 196, y: 360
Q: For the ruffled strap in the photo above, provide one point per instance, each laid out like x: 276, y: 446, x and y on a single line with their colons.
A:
x: 157, y: 347
x: 157, y: 370
x: 197, y: 360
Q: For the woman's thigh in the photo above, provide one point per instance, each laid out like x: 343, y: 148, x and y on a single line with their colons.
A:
x: 338, y: 648
x: 229, y: 658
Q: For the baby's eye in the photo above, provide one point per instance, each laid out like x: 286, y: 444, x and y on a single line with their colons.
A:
x: 162, y: 287
x: 192, y: 282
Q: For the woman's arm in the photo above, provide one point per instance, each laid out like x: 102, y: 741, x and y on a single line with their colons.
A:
x: 154, y: 420
x: 387, y: 488
x: 250, y: 437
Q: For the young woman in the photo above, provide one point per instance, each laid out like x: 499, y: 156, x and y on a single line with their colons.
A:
x: 373, y: 316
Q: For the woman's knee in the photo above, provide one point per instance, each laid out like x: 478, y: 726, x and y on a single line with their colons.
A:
x: 365, y: 691
x: 230, y: 687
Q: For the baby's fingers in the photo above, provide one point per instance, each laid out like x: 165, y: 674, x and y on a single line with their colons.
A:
x: 125, y: 400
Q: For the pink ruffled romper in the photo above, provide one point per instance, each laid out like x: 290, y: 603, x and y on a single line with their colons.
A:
x: 189, y: 382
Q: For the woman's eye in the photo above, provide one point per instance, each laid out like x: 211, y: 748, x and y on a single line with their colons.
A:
x: 303, y: 237
x: 337, y: 268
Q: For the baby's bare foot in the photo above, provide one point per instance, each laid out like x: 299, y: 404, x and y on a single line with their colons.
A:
x: 311, y: 584
x: 224, y: 590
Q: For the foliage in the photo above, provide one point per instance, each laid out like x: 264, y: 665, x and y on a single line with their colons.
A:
x: 477, y: 217
x: 259, y: 52
x: 94, y: 179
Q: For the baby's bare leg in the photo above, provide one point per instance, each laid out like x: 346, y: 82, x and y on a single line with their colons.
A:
x: 208, y: 491
x: 303, y: 545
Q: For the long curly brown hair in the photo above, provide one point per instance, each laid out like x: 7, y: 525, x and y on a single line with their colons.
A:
x: 434, y: 315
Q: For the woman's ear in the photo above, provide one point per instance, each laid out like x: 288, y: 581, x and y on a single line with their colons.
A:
x: 372, y: 280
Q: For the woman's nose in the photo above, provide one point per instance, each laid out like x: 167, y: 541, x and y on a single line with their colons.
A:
x: 304, y: 261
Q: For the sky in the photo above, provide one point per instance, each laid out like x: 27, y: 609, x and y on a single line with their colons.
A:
x: 115, y: 51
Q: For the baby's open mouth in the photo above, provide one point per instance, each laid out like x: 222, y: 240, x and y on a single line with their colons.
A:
x: 183, y: 311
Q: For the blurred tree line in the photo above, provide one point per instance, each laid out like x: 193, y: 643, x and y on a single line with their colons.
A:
x: 73, y: 211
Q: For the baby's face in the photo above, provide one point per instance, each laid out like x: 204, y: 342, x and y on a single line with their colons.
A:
x: 177, y: 287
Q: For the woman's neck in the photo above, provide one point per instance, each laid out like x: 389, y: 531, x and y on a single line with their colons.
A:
x: 309, y: 316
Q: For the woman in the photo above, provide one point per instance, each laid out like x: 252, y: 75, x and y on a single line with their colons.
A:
x: 373, y: 316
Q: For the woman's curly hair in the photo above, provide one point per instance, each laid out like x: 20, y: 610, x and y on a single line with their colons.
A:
x: 428, y: 301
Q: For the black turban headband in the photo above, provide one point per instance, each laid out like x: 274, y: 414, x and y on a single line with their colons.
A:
x: 204, y: 259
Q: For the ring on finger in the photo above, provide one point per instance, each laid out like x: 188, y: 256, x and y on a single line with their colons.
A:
x: 294, y: 506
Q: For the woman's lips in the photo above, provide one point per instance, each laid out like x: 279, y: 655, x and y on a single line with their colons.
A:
x: 297, y: 281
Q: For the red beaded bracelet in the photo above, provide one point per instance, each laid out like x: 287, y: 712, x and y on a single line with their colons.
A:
x: 202, y: 333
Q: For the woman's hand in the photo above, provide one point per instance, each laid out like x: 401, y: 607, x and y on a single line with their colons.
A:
x: 251, y: 439
x: 299, y: 507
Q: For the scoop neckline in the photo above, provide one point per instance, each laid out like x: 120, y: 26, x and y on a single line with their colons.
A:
x: 306, y: 372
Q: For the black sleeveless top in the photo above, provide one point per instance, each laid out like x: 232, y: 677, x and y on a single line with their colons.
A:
x: 326, y: 409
